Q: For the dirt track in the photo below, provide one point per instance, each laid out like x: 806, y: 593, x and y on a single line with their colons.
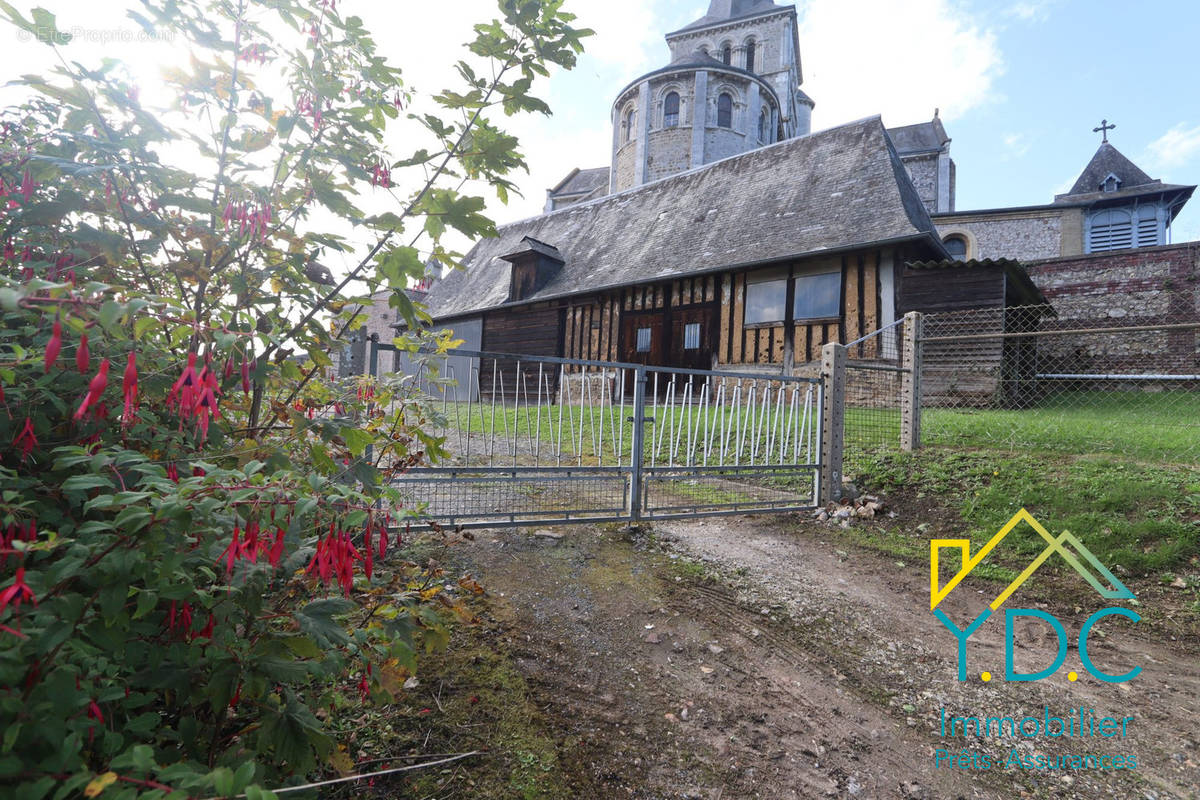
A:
x: 783, y: 664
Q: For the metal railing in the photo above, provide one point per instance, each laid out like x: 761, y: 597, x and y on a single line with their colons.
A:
x: 540, y: 440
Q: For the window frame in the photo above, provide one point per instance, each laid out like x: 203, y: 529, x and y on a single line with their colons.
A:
x: 725, y: 97
x: 637, y: 339
x: 795, y: 289
x: 671, y: 118
x: 775, y: 276
x: 966, y: 246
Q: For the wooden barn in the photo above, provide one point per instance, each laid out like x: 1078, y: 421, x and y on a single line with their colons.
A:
x: 750, y: 263
x: 967, y: 300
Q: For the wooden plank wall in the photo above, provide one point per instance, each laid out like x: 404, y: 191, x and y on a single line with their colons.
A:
x: 592, y: 326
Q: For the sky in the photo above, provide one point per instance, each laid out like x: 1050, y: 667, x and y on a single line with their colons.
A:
x: 1020, y: 84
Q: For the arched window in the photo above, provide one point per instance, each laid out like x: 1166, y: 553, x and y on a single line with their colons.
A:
x: 750, y: 56
x: 727, y: 54
x: 671, y: 110
x: 956, y: 246
x: 627, y: 125
x: 764, y: 125
x: 724, y: 111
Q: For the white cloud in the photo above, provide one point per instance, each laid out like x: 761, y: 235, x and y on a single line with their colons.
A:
x: 1030, y: 10
x: 1174, y: 148
x: 901, y: 60
x: 1016, y: 145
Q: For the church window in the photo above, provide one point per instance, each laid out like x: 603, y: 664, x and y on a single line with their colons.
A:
x: 691, y: 336
x: 724, y: 111
x: 643, y: 340
x: 817, y: 296
x: 956, y: 246
x: 671, y: 110
x: 627, y: 126
x: 727, y: 55
x: 764, y: 125
x: 766, y: 299
x: 750, y: 56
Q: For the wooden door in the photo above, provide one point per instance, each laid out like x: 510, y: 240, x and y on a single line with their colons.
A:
x: 643, y: 341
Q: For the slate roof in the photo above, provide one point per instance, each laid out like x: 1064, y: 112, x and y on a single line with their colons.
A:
x: 727, y: 10
x: 581, y: 181
x: 834, y: 190
x: 920, y: 137
x: 1108, y: 160
x: 1022, y: 286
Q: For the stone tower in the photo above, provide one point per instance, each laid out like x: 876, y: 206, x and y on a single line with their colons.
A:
x: 732, y: 85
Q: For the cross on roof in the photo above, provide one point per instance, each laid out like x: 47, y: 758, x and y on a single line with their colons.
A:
x: 1104, y: 129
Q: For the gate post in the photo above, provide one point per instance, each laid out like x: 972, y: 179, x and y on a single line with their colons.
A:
x: 634, y: 502
x: 910, y: 395
x: 833, y: 420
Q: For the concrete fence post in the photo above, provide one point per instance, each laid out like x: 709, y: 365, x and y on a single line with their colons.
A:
x: 833, y: 420
x: 910, y: 397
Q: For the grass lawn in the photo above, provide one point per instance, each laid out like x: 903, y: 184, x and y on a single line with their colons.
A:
x: 1143, y: 517
x: 1146, y: 426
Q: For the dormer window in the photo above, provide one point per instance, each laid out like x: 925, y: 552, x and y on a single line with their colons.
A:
x: 1111, y: 183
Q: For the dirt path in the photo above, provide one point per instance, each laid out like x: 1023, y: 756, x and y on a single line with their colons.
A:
x: 759, y: 657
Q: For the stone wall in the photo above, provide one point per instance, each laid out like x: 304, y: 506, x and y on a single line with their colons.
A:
x: 1146, y: 286
x: 923, y: 171
x: 1024, y: 236
x: 625, y: 166
x: 670, y: 152
x: 724, y: 142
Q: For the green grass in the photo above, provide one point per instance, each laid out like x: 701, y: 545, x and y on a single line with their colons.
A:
x: 1143, y: 517
x: 1146, y: 426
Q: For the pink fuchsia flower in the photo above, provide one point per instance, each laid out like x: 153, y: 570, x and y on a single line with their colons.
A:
x: 17, y: 592
x: 53, y: 347
x: 185, y: 390
x: 129, y: 389
x: 26, y: 440
x: 95, y: 389
x: 83, y: 356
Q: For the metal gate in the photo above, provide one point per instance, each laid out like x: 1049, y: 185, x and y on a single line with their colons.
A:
x: 540, y: 440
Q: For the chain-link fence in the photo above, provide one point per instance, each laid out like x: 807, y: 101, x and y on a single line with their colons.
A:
x: 874, y: 388
x: 1024, y: 378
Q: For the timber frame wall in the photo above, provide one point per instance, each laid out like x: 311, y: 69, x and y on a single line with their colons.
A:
x: 592, y: 326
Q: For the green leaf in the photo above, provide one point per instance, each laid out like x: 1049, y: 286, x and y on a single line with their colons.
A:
x: 79, y: 483
x: 317, y: 620
x: 357, y: 440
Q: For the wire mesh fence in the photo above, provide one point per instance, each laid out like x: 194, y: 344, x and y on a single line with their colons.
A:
x: 538, y: 440
x: 874, y: 393
x: 1024, y: 378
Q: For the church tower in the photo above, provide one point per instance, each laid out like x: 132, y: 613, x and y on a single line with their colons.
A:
x: 732, y: 85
